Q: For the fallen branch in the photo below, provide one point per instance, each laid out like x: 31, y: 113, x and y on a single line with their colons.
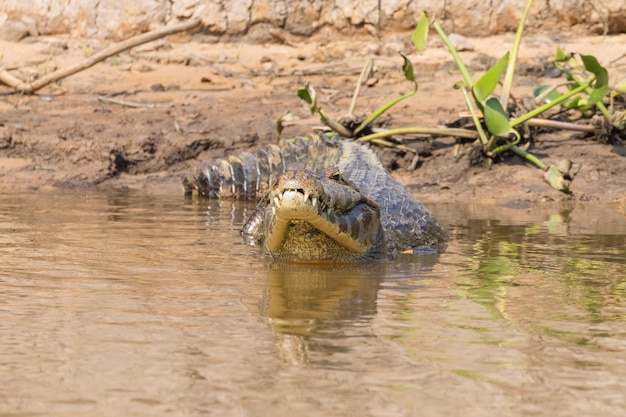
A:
x: 29, y: 88
x: 554, y: 124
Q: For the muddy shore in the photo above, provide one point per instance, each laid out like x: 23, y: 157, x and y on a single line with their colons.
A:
x: 198, y: 101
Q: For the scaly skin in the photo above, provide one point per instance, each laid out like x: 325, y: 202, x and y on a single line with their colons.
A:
x: 319, y: 217
x: 353, y: 211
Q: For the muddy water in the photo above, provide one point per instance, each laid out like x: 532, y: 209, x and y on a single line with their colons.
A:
x: 128, y: 304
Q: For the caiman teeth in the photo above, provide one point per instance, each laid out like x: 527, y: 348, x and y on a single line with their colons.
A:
x: 277, y: 201
x: 314, y: 201
x: 306, y: 196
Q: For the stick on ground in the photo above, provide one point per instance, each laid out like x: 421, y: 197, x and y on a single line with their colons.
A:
x: 29, y: 88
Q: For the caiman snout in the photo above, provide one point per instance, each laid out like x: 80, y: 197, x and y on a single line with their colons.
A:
x: 297, y: 194
x: 313, y: 216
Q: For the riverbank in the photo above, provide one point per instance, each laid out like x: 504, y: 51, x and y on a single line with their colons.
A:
x: 145, y: 118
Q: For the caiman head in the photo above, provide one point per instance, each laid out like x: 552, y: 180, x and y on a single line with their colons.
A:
x: 321, y: 217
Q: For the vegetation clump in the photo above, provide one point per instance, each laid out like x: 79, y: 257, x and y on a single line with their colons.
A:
x: 500, y: 125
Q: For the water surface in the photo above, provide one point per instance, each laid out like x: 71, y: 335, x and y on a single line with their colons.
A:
x: 126, y: 303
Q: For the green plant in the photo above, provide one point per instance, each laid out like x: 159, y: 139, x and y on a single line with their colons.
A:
x: 497, y: 131
x: 360, y: 132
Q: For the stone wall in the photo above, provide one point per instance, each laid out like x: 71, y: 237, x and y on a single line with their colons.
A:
x: 256, y: 20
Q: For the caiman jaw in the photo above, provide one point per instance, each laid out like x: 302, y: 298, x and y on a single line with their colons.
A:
x: 304, y: 202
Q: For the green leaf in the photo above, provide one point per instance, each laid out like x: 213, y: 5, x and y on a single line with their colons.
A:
x: 407, y: 68
x: 569, y: 76
x: 304, y: 95
x: 496, y: 118
x: 488, y: 82
x: 573, y: 104
x: 420, y: 34
x: 309, y: 95
x: 601, y: 85
x: 550, y: 97
x: 556, y: 179
x: 561, y: 56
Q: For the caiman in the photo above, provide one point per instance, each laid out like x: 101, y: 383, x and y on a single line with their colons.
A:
x: 321, y: 199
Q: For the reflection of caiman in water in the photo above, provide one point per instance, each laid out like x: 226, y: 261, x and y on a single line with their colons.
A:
x: 322, y: 199
x: 315, y: 309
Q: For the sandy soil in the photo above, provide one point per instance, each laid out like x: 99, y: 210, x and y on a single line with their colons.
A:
x: 210, y: 100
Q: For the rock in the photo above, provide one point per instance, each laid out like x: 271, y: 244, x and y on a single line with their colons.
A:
x: 235, y: 18
x: 303, y: 18
x: 460, y: 42
x: 610, y: 15
x: 12, y: 30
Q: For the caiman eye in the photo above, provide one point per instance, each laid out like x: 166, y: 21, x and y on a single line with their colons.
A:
x: 335, y: 175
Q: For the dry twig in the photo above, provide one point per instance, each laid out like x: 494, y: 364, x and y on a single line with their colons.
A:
x: 20, y: 86
x: 108, y: 99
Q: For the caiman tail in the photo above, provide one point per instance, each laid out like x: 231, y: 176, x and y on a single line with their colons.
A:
x: 248, y: 175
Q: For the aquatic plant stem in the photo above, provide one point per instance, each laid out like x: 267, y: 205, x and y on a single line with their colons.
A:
x: 475, y: 119
x: 529, y: 157
x: 407, y: 68
x: 510, y: 70
x: 541, y: 109
x: 467, y: 78
x: 439, y: 131
x: 367, y: 69
x: 334, y: 125
x: 383, y: 109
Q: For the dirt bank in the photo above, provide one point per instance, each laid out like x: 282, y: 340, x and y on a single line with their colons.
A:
x: 204, y: 101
